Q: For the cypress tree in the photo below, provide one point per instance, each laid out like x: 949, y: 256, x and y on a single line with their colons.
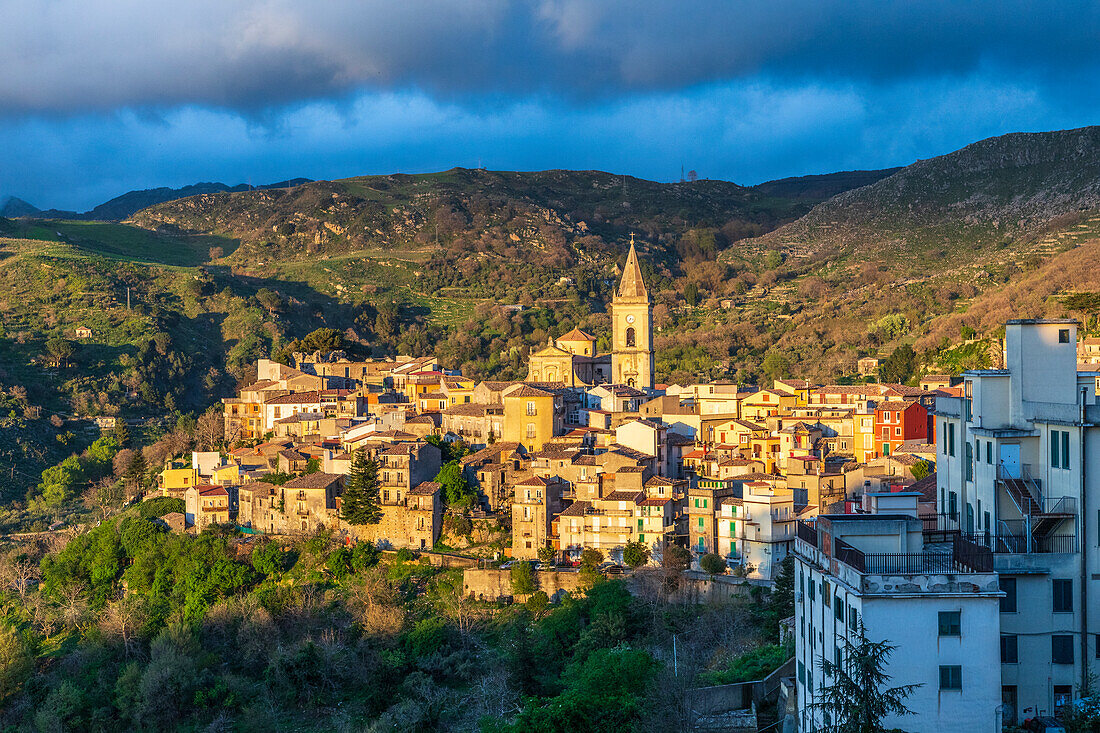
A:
x: 359, y: 503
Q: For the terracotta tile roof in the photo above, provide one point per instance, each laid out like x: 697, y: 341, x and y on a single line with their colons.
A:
x: 301, y: 417
x: 469, y: 409
x: 312, y: 481
x: 927, y: 487
x: 634, y: 496
x: 528, y: 391
x: 292, y: 455
x: 207, y: 490
x: 576, y: 509
x: 534, y: 481
x: 296, y: 398
x: 893, y: 405
x: 404, y: 449
x: 656, y: 501
x: 258, y: 385
x: 647, y: 423
x: 555, y: 455
x: 577, y: 335
x: 637, y: 455
x: 426, y: 488
x: 659, y: 481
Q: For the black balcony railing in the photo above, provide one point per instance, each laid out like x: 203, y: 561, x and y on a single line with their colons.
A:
x: 806, y: 533
x: 957, y: 555
x: 1017, y: 544
x: 849, y: 555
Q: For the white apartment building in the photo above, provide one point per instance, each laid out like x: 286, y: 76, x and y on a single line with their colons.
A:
x: 1018, y: 471
x: 757, y: 529
x: 937, y: 604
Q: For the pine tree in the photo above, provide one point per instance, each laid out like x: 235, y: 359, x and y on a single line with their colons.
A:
x: 122, y: 433
x: 135, y: 473
x: 359, y: 502
x: 856, y: 702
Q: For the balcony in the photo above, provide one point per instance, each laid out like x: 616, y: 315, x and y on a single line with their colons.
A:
x: 1018, y: 544
x: 943, y: 553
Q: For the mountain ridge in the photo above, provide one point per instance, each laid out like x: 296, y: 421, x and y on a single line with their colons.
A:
x: 122, y: 206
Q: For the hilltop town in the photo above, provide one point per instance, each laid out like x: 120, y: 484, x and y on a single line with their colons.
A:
x: 895, y: 503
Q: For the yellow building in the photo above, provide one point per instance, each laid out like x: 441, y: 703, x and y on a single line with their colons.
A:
x: 176, y: 480
x: 863, y: 434
x: 227, y: 475
x: 531, y: 416
x: 458, y: 390
x: 572, y: 360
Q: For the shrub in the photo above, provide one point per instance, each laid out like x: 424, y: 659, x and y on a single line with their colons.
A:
x: 591, y: 558
x: 713, y: 563
x: 523, y: 579
x: 676, y: 558
x: 160, y: 506
x: 754, y: 665
x: 635, y: 554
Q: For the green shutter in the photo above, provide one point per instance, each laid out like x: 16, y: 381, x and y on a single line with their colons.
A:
x: 1065, y: 449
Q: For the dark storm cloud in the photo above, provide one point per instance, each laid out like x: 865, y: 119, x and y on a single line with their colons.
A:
x: 66, y: 56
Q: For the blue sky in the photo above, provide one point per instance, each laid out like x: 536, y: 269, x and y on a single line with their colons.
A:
x: 98, y: 97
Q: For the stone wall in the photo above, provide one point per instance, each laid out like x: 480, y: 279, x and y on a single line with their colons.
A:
x: 493, y: 583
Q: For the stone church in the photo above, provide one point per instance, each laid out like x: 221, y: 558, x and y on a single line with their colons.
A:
x: 572, y: 359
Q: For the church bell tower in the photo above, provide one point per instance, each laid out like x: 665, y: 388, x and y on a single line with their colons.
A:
x: 632, y: 328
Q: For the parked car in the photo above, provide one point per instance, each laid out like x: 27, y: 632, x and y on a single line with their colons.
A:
x: 507, y: 565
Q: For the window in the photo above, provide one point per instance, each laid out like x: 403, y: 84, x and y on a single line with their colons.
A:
x: 1063, y: 596
x: 951, y: 440
x: 1063, y: 335
x: 838, y: 608
x: 630, y: 340
x: 950, y: 623
x: 943, y: 432
x: 989, y: 451
x: 969, y: 453
x: 701, y: 523
x: 1009, y: 649
x: 812, y: 588
x: 1059, y: 449
x: 531, y: 409
x: 530, y: 430
x: 853, y: 617
x: 1008, y: 587
x: 1061, y: 649
x: 953, y: 504
x: 951, y: 677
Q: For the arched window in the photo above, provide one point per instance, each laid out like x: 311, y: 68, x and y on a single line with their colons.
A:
x: 630, y: 382
x: 630, y: 337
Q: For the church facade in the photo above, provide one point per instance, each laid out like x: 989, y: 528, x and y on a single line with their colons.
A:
x: 572, y: 359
